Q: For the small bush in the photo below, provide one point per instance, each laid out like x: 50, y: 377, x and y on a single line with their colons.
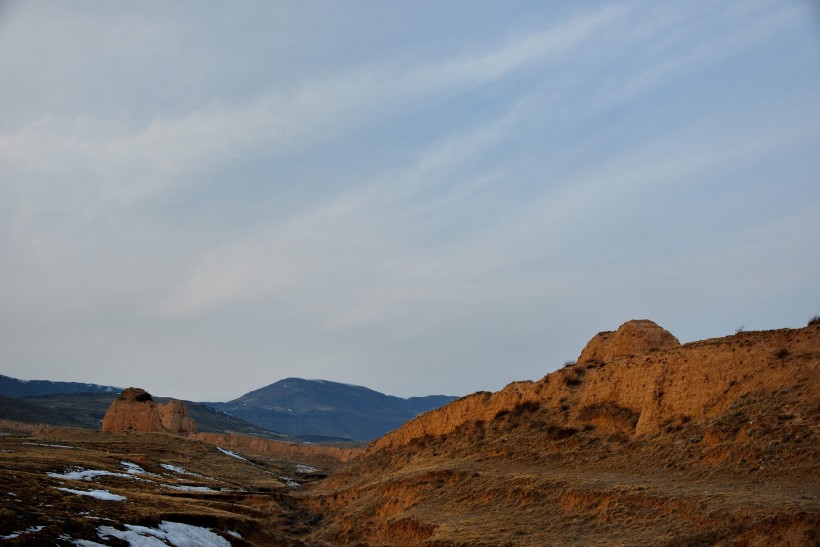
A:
x: 741, y: 328
x: 557, y: 433
x: 782, y: 353
x: 815, y: 320
x: 526, y: 406
x: 572, y: 381
x: 570, y: 363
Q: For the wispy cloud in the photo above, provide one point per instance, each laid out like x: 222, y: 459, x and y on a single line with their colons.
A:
x: 403, y: 208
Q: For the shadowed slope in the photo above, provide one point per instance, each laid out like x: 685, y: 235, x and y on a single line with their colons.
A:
x: 298, y: 407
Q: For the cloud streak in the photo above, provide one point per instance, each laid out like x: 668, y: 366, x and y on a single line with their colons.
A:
x: 473, y: 211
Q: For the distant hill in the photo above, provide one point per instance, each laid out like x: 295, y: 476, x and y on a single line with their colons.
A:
x: 86, y: 409
x: 310, y: 410
x: 303, y: 408
x: 12, y: 387
x: 23, y: 410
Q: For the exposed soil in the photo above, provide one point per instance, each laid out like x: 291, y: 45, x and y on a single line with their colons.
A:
x: 711, y: 443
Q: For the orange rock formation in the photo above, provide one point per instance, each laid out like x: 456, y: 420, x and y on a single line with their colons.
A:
x: 643, y: 371
x: 635, y: 337
x: 135, y: 410
x: 642, y: 442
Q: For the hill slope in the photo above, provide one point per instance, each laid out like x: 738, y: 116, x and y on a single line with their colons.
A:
x: 643, y: 441
x: 298, y: 407
x: 86, y: 410
x: 12, y: 387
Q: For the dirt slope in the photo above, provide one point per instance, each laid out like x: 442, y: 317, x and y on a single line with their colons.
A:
x: 643, y: 441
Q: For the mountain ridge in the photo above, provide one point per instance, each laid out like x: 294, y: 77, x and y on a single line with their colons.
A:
x: 14, y: 387
x: 312, y: 410
x: 301, y: 407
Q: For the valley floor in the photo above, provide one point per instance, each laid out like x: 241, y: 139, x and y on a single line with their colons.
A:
x: 80, y: 487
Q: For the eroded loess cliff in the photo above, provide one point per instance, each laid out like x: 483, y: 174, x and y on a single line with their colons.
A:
x: 642, y: 441
x: 325, y: 456
x: 136, y: 410
x: 649, y: 375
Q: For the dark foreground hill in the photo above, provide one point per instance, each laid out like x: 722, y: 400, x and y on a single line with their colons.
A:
x: 303, y: 408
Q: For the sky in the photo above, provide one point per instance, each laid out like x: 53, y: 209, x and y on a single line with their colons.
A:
x: 202, y: 198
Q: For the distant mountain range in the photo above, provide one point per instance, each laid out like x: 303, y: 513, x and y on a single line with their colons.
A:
x: 12, y: 387
x: 310, y: 410
x: 302, y: 408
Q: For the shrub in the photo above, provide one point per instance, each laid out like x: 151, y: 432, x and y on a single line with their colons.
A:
x: 556, y: 433
x: 526, y: 406
x: 568, y: 363
x: 815, y: 320
x: 741, y: 328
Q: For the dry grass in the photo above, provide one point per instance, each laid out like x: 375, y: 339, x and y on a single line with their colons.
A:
x: 244, y: 496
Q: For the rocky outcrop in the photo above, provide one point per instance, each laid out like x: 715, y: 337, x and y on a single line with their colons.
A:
x: 175, y: 418
x: 636, y: 337
x: 643, y: 441
x: 136, y: 410
x: 646, y: 374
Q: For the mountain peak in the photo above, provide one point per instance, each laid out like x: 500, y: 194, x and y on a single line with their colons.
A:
x: 302, y: 407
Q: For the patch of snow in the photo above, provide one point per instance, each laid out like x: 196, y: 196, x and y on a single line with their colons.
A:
x: 185, y: 535
x: 180, y: 470
x: 51, y: 445
x: 173, y: 468
x: 29, y: 530
x: 234, y: 534
x: 290, y: 482
x: 80, y: 474
x: 87, y: 543
x: 7, y: 451
x: 186, y: 488
x: 305, y: 469
x: 175, y: 533
x: 99, y: 494
x: 231, y: 454
x: 133, y: 469
x: 11, y: 494
x: 133, y: 538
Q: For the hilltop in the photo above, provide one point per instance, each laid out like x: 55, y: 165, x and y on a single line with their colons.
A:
x: 641, y: 441
x: 13, y: 387
x: 320, y: 408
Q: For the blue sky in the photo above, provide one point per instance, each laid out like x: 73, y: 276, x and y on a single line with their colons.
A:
x: 202, y: 198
